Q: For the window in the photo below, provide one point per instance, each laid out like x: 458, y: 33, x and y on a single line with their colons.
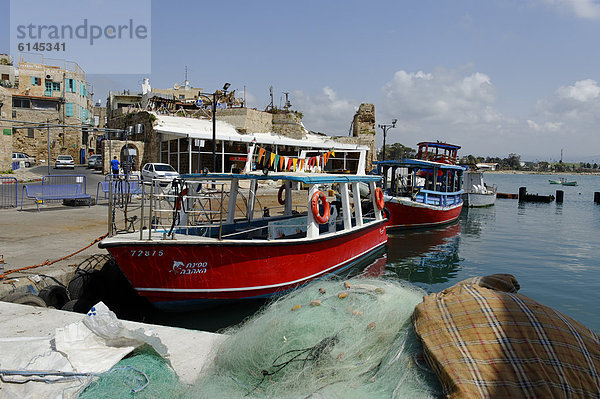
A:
x: 182, y: 96
x: 44, y: 104
x: 55, y: 86
x: 69, y: 109
x: 30, y: 133
x: 70, y: 85
x: 5, y: 76
x: 21, y: 102
x: 36, y: 81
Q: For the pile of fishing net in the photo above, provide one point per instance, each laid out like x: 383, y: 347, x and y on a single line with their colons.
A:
x: 330, y: 339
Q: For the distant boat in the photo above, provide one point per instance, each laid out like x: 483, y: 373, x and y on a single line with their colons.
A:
x: 477, y: 193
x: 423, y: 192
x: 563, y: 181
x: 568, y: 183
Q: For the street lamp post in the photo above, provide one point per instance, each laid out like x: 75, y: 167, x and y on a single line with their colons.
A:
x: 214, y: 125
x: 385, y: 128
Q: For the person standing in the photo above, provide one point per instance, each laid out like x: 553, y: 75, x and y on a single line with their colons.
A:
x: 114, y: 164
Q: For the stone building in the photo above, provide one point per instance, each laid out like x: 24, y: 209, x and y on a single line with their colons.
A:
x: 174, y: 126
x: 7, y: 71
x: 55, y: 94
x: 5, y: 130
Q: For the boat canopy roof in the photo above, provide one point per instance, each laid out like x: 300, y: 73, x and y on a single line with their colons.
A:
x: 437, y: 144
x: 418, y: 163
x: 308, y: 178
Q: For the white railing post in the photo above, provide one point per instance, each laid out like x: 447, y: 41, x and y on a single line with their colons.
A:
x: 346, y: 206
x: 312, y: 229
x: 357, y: 209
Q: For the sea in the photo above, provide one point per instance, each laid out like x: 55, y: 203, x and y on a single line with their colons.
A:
x: 551, y: 248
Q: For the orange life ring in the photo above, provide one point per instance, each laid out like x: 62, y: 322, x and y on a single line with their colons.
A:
x: 320, y: 196
x: 279, y: 198
x: 379, y: 198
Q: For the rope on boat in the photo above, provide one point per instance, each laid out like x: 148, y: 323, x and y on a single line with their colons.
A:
x: 48, y: 262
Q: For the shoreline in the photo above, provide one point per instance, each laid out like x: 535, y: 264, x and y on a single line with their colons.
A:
x: 532, y: 172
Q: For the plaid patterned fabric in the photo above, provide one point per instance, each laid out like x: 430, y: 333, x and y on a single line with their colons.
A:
x: 483, y: 339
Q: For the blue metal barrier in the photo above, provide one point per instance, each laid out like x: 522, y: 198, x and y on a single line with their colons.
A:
x: 57, y: 188
x: 8, y: 192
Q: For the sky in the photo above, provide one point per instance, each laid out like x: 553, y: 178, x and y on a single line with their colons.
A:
x: 494, y: 76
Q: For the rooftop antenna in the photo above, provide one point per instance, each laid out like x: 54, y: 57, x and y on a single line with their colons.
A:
x: 185, y: 74
x: 561, y: 154
x: 270, y: 106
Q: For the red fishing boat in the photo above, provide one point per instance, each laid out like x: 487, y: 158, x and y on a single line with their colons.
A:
x: 201, y: 241
x: 423, y: 192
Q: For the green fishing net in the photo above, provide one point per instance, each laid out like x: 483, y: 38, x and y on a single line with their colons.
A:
x: 143, y: 374
x: 331, y: 339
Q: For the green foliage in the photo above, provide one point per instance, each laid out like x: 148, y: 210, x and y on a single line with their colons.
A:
x: 397, y: 151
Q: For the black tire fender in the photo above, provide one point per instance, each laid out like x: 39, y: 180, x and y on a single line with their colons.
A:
x: 55, y: 296
x: 25, y: 299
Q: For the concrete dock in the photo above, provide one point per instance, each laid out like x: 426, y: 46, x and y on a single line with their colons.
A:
x: 189, y: 351
x: 29, y: 238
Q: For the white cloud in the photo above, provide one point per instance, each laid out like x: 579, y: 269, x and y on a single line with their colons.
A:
x: 325, y: 112
x: 444, y: 96
x: 453, y: 106
x: 583, y: 91
x: 587, y: 9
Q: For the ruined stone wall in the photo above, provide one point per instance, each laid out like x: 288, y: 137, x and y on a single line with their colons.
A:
x: 289, y: 124
x: 147, y: 143
x: 363, y: 132
x: 364, y: 120
x: 247, y: 120
x: 112, y: 148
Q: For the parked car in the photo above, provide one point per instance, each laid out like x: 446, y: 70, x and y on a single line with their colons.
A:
x: 159, y: 171
x: 21, y: 156
x: 98, y: 163
x: 64, y: 161
x: 92, y: 161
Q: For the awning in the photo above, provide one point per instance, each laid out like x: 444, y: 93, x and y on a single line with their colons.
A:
x: 202, y: 129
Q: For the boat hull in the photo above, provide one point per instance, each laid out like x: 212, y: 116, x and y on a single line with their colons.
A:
x: 410, y: 214
x: 478, y: 200
x: 184, y: 274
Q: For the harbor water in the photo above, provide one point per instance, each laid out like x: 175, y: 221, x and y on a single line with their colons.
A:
x: 551, y: 248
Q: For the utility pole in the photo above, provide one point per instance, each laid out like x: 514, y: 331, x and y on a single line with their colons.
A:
x: 48, y: 128
x: 385, y: 128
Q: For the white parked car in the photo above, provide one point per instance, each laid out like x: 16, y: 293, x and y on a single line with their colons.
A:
x: 161, y: 171
x: 21, y: 156
x: 92, y: 161
x: 64, y: 161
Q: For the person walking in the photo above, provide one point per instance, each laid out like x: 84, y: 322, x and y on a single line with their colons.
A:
x: 114, y: 164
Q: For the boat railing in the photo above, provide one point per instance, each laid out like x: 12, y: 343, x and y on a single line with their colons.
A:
x: 438, y: 198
